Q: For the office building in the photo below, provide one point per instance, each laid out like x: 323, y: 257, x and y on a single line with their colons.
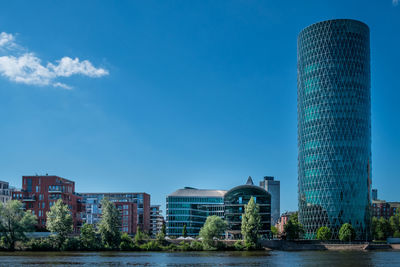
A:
x: 274, y: 188
x: 5, y: 192
x: 235, y: 201
x: 191, y: 207
x: 374, y: 194
x: 334, y: 127
x: 39, y: 193
x: 156, y: 220
x: 141, y: 200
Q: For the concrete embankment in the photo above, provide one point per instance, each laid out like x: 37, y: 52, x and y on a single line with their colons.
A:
x: 315, y: 245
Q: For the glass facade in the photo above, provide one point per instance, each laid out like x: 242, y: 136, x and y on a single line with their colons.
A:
x: 237, y: 198
x: 192, y: 211
x: 334, y: 127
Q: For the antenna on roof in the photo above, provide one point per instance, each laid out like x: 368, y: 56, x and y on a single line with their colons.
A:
x: 249, y: 181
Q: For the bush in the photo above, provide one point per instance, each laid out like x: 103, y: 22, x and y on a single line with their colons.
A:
x: 183, y: 246
x: 150, y: 246
x: 196, y: 246
x: 324, y: 233
x: 396, y: 234
x: 238, y: 245
x: 127, y: 243
x: 42, y: 244
x: 346, y: 232
x: 71, y: 244
x: 171, y: 247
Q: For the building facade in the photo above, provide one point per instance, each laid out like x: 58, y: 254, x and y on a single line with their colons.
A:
x: 235, y: 201
x: 5, y: 192
x: 142, y: 200
x: 156, y: 220
x: 128, y: 215
x: 191, y: 207
x: 274, y: 188
x: 39, y: 193
x: 374, y: 194
x: 334, y: 127
x: 280, y: 225
x: 381, y: 208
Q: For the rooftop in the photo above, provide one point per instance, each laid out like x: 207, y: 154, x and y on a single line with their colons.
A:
x: 194, y: 192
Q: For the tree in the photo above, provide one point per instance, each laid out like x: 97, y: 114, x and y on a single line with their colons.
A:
x: 383, y: 229
x: 374, y: 227
x: 184, y: 231
x: 139, y: 236
x: 293, y: 229
x: 324, y: 233
x: 88, y: 237
x: 59, y: 222
x: 109, y: 225
x: 251, y: 223
x: 347, y: 232
x: 214, y: 227
x: 14, y: 221
x: 126, y: 242
x: 274, y: 230
x: 394, y: 222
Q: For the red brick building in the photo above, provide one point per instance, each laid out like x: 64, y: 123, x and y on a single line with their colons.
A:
x: 92, y: 202
x: 40, y: 192
x: 381, y: 208
x: 129, y: 215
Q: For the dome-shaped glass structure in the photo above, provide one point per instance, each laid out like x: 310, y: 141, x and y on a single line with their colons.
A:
x: 334, y: 126
x: 235, y: 200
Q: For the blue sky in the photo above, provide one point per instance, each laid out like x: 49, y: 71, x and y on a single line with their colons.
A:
x: 156, y: 95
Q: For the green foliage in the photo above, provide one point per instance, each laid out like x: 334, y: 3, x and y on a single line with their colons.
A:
x: 164, y: 229
x: 151, y: 246
x: 214, y: 227
x: 14, y: 222
x: 59, y: 222
x: 347, y: 232
x: 140, y: 236
x: 88, y: 238
x: 396, y: 234
x: 274, y: 230
x: 251, y: 223
x: 293, y: 228
x: 71, y: 244
x: 383, y: 229
x: 127, y: 243
x: 109, y: 225
x: 324, y: 233
x: 196, y: 246
x: 42, y: 244
x: 238, y: 245
x: 184, y: 231
x: 184, y: 246
x: 394, y: 222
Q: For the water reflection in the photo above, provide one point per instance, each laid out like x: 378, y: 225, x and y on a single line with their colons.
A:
x: 188, y: 259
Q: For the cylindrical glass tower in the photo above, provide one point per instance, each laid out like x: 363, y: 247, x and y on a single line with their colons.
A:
x: 334, y: 127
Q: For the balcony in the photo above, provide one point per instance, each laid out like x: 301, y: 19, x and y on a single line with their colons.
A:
x: 29, y: 198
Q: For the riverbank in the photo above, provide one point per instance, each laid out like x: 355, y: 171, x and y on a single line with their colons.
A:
x: 284, y: 245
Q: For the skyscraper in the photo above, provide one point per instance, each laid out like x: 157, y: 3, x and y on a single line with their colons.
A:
x: 274, y: 188
x: 334, y: 126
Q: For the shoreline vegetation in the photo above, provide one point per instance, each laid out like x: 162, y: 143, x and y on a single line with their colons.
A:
x: 15, y: 223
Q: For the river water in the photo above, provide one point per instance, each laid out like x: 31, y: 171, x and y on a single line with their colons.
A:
x: 181, y: 259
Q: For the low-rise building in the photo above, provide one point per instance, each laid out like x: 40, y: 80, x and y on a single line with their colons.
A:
x: 283, y: 220
x: 156, y: 219
x: 39, y: 193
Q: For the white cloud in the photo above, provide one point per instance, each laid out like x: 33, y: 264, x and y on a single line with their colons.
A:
x: 27, y: 68
x: 6, y: 39
x: 395, y: 2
